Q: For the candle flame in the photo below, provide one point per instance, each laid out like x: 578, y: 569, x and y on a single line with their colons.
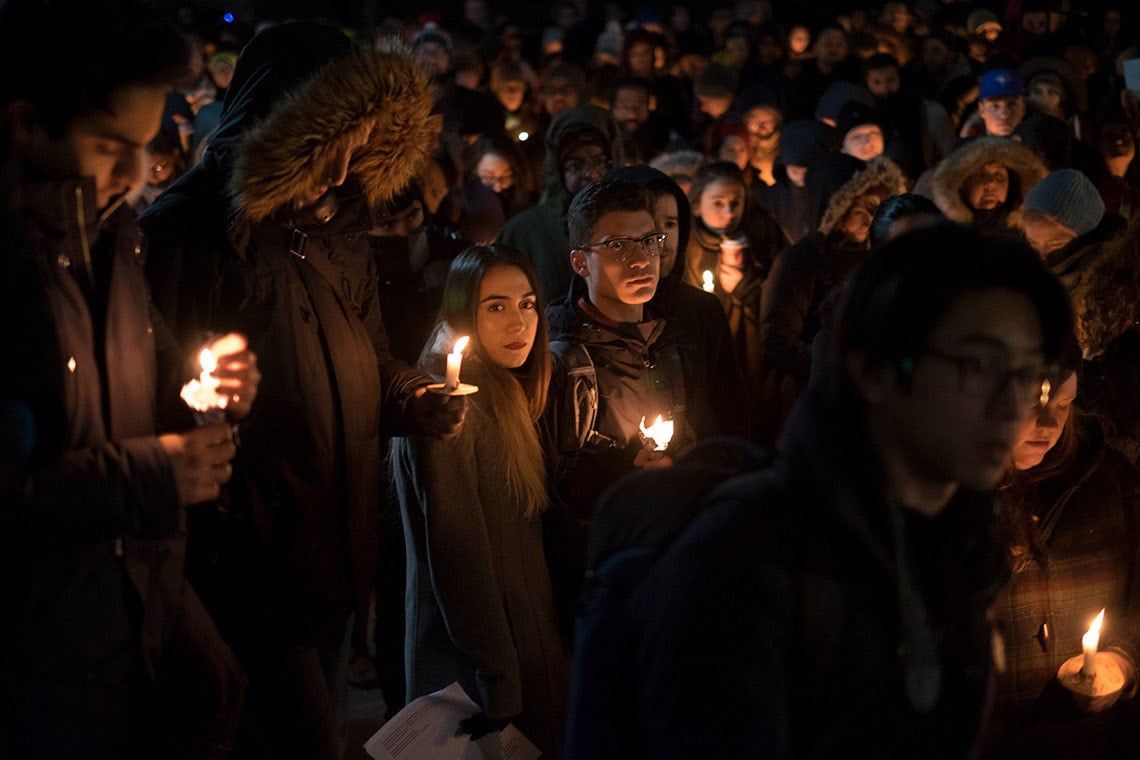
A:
x: 707, y: 281
x: 1094, y: 627
x: 207, y: 361
x: 660, y: 432
x: 460, y: 344
x: 201, y: 394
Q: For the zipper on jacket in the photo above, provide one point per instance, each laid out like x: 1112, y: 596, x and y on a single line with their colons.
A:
x: 84, y: 244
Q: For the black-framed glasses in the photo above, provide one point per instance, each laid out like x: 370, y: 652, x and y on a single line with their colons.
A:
x: 581, y: 166
x: 987, y: 377
x: 622, y: 248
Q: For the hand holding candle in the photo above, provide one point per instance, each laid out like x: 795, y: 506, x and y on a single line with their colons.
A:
x: 1096, y: 679
x: 227, y: 382
x: 658, y: 434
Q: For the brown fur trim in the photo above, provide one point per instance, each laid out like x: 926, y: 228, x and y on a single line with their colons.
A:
x: 955, y: 169
x: 879, y: 172
x: 373, y: 93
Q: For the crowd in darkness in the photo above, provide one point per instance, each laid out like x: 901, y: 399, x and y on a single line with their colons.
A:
x: 796, y: 411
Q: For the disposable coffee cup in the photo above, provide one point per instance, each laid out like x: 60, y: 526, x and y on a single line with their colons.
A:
x: 732, y: 252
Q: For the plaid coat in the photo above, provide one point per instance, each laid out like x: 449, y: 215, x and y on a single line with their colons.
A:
x: 1084, y: 555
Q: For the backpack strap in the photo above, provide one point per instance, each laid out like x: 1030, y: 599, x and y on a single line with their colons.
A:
x: 579, y: 405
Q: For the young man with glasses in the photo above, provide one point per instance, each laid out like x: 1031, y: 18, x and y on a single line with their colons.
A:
x: 835, y: 604
x: 640, y: 362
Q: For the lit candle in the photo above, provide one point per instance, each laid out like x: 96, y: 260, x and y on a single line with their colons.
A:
x: 454, y: 360
x: 201, y: 394
x: 1089, y: 643
x: 708, y: 285
x: 659, y: 433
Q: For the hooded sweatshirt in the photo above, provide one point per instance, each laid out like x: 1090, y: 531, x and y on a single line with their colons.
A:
x: 229, y: 252
x: 540, y: 233
x: 699, y: 314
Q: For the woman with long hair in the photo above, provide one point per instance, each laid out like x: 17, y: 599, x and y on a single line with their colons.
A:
x: 479, y: 605
x: 1071, y: 522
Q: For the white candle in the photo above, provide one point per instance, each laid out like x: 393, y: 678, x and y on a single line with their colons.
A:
x: 454, y: 361
x: 708, y: 285
x: 1089, y: 643
x: 660, y: 432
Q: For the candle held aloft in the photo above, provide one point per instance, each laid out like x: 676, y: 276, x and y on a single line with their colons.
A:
x: 708, y: 284
x: 1089, y: 643
x: 454, y: 362
x: 658, y: 434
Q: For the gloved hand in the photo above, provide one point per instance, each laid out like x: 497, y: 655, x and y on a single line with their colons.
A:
x: 479, y: 725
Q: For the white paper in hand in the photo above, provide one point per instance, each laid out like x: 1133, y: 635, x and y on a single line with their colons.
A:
x: 425, y: 730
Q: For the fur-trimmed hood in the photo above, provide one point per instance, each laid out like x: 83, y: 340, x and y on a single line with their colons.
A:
x: 300, y: 92
x: 878, y: 172
x: 955, y: 169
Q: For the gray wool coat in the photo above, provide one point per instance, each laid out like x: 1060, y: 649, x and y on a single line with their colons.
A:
x: 479, y: 604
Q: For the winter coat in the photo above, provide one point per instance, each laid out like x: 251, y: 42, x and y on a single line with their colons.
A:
x: 93, y: 542
x: 480, y: 609
x: 802, y: 278
x: 742, y: 306
x: 640, y: 374
x: 1071, y: 263
x: 789, y: 204
x: 296, y: 540
x: 1025, y: 171
x: 540, y: 233
x: 1108, y: 390
x: 784, y: 623
x: 1083, y: 554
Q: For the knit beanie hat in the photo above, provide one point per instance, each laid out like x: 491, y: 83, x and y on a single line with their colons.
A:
x: 837, y: 95
x: 854, y: 114
x: 980, y: 20
x: 579, y: 138
x: 716, y: 81
x: 1070, y: 197
x: 432, y: 32
x: 805, y: 141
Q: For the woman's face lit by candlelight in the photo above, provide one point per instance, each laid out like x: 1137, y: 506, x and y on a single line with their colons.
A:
x: 1041, y: 431
x: 507, y: 319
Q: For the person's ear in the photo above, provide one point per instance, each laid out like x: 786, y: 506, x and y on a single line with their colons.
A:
x: 652, y: 103
x: 21, y: 118
x: 578, y: 263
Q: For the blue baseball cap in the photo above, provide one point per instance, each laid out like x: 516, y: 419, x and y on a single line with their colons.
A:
x: 1000, y: 82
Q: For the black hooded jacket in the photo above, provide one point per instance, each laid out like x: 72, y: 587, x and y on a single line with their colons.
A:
x: 697, y: 313
x: 230, y: 253
x: 786, y: 622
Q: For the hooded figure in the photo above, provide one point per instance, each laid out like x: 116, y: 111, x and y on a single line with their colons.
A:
x: 975, y: 169
x: 266, y: 236
x: 803, y: 277
x: 699, y: 313
x: 540, y: 233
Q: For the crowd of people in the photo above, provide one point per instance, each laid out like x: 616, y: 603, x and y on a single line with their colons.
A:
x: 798, y: 354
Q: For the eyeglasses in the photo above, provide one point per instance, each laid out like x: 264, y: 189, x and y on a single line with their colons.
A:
x: 622, y: 248
x: 582, y: 166
x: 987, y: 377
x: 490, y: 180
